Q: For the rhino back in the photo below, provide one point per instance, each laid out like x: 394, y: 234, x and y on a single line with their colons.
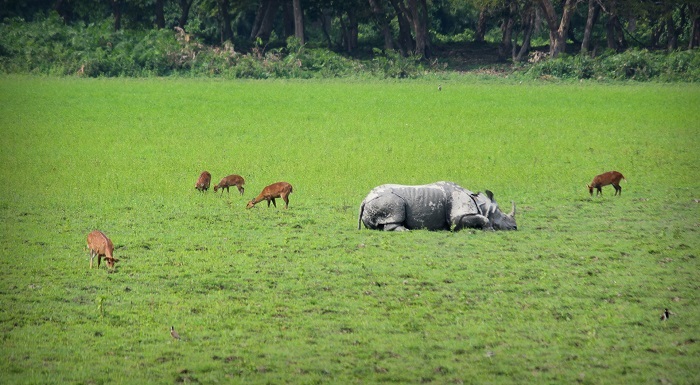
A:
x: 427, y: 206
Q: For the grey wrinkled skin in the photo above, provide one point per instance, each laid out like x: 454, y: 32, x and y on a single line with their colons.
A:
x: 435, y: 206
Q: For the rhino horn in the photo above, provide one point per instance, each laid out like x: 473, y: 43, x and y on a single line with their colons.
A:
x: 512, y: 212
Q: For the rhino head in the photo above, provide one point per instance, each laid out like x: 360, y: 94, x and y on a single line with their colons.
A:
x: 498, y: 219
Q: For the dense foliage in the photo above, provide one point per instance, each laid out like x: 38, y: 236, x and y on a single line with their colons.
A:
x: 49, y: 47
x: 633, y: 64
x: 381, y: 38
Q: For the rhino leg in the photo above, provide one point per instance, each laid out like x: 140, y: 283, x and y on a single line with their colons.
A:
x: 386, y: 212
x: 394, y: 227
x: 474, y: 221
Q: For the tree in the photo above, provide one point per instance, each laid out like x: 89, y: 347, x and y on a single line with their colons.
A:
x: 264, y: 19
x: 613, y: 28
x: 160, y: 14
x: 694, y: 40
x: 528, y: 20
x: 413, y: 17
x: 226, y: 31
x: 380, y: 15
x: 117, y: 13
x: 350, y: 29
x: 593, y: 11
x: 480, y: 32
x: 185, y: 6
x: 406, y: 43
x: 298, y: 20
x: 506, y: 46
x: 558, y: 28
x: 419, y: 18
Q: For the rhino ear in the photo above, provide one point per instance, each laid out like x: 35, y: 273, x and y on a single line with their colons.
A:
x: 489, y: 194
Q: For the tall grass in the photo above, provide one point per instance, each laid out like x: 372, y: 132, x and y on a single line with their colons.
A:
x: 299, y: 295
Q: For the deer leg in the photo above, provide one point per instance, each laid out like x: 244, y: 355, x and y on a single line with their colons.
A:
x: 273, y: 203
x: 600, y: 191
x: 286, y: 201
x: 618, y: 189
x: 240, y: 189
x: 99, y: 259
x: 92, y: 255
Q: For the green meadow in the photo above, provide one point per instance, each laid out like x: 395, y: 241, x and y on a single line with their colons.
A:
x: 268, y: 295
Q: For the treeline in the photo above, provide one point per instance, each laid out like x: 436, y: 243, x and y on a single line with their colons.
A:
x: 305, y: 38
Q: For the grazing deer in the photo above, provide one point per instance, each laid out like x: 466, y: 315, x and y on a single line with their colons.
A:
x: 100, y: 245
x: 269, y: 193
x: 610, y: 177
x: 231, y: 180
x: 203, y: 182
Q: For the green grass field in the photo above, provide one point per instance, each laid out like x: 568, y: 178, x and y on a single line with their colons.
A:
x: 300, y: 295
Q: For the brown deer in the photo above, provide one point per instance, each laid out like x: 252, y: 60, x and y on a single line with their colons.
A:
x: 231, y: 180
x: 99, y: 246
x: 269, y: 193
x: 610, y: 177
x: 203, y: 182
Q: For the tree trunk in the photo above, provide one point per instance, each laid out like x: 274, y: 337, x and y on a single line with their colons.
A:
x: 657, y: 28
x: 226, y: 31
x: 349, y: 30
x: 288, y: 18
x: 326, y: 27
x: 383, y: 23
x: 672, y: 42
x: 60, y: 6
x: 259, y: 14
x: 506, y: 46
x: 480, y: 26
x: 352, y: 31
x: 621, y: 40
x: 615, y: 34
x: 558, y: 31
x: 184, y: 12
x: 610, y: 33
x: 160, y: 15
x: 264, y: 18
x: 529, y: 17
x: 419, y: 13
x: 406, y: 43
x: 694, y: 38
x: 593, y: 11
x: 117, y: 12
x: 298, y: 20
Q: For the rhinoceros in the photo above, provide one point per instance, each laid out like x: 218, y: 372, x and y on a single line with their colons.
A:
x: 436, y: 206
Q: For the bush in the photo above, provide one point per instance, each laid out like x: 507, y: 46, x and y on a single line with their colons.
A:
x: 640, y: 65
x: 391, y: 64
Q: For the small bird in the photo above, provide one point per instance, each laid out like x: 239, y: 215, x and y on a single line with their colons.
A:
x: 665, y: 315
x: 440, y: 87
x: 174, y: 333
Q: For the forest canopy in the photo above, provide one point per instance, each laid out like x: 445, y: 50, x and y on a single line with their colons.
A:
x: 390, y: 38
